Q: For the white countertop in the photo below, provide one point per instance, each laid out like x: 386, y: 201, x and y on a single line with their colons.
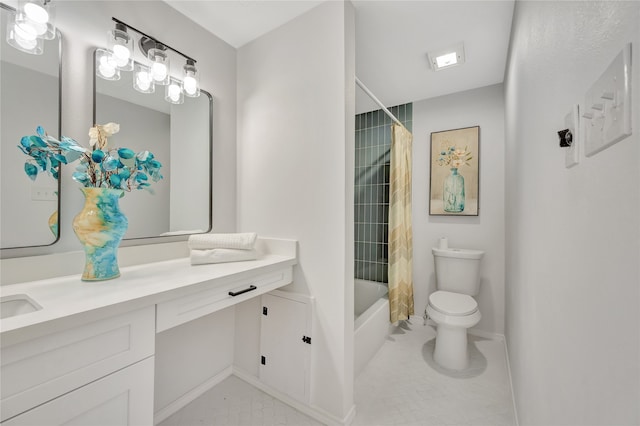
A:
x: 137, y: 286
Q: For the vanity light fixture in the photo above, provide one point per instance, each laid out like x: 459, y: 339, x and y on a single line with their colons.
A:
x: 106, y: 65
x: 160, y: 64
x: 120, y: 44
x: 33, y: 22
x: 142, y: 79
x: 119, y: 56
x: 446, y: 58
x: 191, y: 79
x: 173, y: 92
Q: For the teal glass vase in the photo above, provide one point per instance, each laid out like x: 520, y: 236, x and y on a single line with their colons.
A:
x: 453, y: 194
x: 100, y: 226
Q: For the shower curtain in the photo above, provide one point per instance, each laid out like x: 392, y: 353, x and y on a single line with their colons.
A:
x: 400, y: 232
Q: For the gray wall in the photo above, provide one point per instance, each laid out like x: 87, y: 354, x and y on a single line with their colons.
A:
x: 148, y: 214
x: 573, y: 235
x: 23, y: 221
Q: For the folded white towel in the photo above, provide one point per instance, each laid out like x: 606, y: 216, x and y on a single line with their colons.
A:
x: 201, y: 257
x: 240, y: 241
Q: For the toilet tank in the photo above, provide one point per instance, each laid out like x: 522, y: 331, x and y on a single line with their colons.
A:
x: 458, y: 270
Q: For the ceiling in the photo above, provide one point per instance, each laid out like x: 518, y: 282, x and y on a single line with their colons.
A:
x: 392, y: 40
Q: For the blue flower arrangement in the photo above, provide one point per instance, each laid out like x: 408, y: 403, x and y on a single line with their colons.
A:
x: 100, y: 167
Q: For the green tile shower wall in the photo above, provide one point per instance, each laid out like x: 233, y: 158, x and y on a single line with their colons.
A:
x: 371, y: 200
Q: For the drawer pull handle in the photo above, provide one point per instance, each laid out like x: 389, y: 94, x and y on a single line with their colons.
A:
x: 238, y: 293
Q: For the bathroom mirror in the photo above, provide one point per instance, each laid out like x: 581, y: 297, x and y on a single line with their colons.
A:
x: 29, y: 97
x: 180, y: 137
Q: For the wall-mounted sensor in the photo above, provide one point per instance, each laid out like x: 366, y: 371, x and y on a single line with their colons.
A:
x: 571, y: 121
x: 566, y: 138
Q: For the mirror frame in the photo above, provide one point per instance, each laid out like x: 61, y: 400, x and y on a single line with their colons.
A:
x: 59, y: 130
x: 209, y: 156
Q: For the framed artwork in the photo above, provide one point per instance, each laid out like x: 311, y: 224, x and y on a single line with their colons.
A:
x: 455, y: 174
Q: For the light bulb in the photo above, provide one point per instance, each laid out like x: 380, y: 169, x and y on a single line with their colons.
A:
x: 121, y: 46
x: 36, y: 13
x: 22, y: 36
x: 159, y: 71
x: 122, y: 53
x: 190, y: 79
x: 107, y: 71
x: 174, y: 92
x: 107, y: 66
x: 143, y: 80
x: 25, y: 31
x: 190, y: 85
x: 26, y: 44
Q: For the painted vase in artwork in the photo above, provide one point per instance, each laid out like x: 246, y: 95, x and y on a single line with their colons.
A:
x: 100, y: 226
x: 453, y: 194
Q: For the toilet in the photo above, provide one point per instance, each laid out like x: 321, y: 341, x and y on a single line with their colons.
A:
x: 452, y: 306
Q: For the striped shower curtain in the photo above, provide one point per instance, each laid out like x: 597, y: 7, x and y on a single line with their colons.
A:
x: 400, y: 232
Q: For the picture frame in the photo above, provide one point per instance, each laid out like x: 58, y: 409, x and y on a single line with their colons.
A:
x: 455, y: 173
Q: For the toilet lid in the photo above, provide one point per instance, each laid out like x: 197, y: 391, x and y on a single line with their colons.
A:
x: 453, y: 303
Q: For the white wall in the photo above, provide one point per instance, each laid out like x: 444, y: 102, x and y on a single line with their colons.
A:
x: 482, y: 107
x: 573, y: 235
x: 295, y: 173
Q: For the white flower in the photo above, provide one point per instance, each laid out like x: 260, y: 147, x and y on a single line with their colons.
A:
x: 110, y: 129
x: 94, y: 134
x: 98, y: 134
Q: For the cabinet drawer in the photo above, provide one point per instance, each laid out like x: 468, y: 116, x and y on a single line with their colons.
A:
x: 122, y: 398
x: 195, y: 305
x: 38, y: 370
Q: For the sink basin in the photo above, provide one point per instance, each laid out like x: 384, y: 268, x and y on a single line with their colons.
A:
x: 18, y: 304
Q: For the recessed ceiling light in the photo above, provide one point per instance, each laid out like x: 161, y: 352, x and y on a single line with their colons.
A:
x: 446, y: 58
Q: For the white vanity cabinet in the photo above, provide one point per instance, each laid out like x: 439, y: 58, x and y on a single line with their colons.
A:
x: 122, y: 398
x: 53, y: 369
x: 86, y: 357
x: 285, y: 343
x: 206, y: 300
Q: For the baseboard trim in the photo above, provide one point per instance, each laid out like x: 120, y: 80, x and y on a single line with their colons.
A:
x: 314, y: 412
x: 513, y: 395
x: 486, y: 334
x: 190, y: 396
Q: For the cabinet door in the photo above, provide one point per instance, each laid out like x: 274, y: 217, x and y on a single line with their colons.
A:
x: 122, y: 398
x: 285, y: 343
x: 38, y: 370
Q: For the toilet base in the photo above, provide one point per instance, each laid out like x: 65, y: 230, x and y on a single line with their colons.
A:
x: 451, y: 347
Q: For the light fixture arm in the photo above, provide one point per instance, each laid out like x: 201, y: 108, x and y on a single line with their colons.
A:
x: 156, y: 42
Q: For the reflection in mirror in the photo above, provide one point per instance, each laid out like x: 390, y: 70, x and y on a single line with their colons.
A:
x: 30, y: 97
x: 180, y: 138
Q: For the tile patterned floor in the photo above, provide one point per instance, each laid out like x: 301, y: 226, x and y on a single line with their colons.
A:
x: 235, y: 402
x: 400, y: 386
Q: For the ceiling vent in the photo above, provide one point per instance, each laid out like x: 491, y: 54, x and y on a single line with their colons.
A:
x: 446, y: 58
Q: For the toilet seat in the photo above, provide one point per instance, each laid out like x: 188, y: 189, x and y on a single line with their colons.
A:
x: 453, y: 304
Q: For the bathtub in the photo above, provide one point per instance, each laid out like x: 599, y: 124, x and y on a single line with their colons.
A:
x: 371, y: 326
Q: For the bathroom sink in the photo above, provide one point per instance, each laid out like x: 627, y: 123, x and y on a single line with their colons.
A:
x: 18, y: 304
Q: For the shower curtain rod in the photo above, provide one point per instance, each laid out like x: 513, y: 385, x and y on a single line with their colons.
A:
x: 373, y: 97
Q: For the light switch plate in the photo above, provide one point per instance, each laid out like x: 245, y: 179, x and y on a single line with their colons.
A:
x: 607, y: 105
x: 572, y: 153
x: 42, y: 193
